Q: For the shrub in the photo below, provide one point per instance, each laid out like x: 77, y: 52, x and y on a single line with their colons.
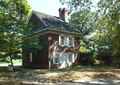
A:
x: 86, y: 59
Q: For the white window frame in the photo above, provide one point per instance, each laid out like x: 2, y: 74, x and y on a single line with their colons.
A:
x: 31, y: 57
x: 72, y: 61
x: 54, y: 56
x: 66, y: 41
x: 60, y: 40
x: 73, y: 43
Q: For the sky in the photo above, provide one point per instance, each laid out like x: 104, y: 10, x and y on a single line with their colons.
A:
x: 48, y: 6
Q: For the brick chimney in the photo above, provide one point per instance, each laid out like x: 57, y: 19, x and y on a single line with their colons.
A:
x: 63, y: 14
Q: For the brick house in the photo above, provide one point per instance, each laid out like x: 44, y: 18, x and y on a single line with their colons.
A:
x: 58, y: 39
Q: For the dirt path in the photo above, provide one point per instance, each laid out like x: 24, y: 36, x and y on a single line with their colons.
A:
x: 61, y: 77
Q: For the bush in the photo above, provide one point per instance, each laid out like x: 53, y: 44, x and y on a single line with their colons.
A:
x: 116, y: 61
x: 86, y: 59
x: 105, y: 58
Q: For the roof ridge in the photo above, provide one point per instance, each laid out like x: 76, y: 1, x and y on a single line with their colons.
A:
x: 43, y: 13
x: 54, y: 22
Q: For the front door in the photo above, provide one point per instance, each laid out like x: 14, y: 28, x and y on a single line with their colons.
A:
x: 63, y: 60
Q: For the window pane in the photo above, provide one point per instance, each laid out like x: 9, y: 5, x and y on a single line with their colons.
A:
x: 70, y: 41
x: 56, y: 58
x: 62, y: 38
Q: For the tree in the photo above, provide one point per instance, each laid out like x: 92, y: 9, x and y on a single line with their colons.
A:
x: 109, y: 9
x: 103, y: 25
x: 13, y: 25
x: 76, y: 5
x: 83, y: 18
x: 84, y: 21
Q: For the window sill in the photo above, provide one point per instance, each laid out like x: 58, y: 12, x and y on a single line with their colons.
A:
x: 70, y: 46
x: 62, y: 45
x: 66, y: 46
x: 56, y: 63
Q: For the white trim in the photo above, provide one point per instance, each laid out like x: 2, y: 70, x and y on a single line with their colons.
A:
x: 60, y: 40
x: 31, y: 57
x: 72, y: 61
x: 71, y: 42
x: 58, y: 31
x: 66, y: 40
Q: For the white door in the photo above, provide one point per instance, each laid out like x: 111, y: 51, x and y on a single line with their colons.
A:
x: 63, y: 60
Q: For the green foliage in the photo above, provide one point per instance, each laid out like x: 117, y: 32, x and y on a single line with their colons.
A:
x: 76, y: 5
x: 105, y: 58
x: 99, y: 30
x: 31, y: 43
x: 111, y: 18
x: 13, y: 26
x: 83, y: 18
x: 83, y: 47
x: 84, y: 21
x: 116, y: 61
x: 86, y: 58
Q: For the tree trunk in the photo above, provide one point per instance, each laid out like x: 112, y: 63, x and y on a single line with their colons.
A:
x: 10, y: 67
x: 11, y: 51
x: 11, y: 60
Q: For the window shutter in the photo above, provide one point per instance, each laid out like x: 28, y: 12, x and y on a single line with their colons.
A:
x: 59, y: 40
x: 66, y: 41
x: 73, y: 42
x: 73, y: 58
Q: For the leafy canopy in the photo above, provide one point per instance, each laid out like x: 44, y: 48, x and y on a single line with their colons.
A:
x: 13, y: 26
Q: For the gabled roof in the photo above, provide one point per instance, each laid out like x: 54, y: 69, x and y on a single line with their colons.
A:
x: 53, y: 22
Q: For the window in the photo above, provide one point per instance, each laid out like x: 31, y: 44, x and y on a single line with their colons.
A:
x: 66, y: 41
x: 63, y: 57
x: 70, y: 41
x: 62, y: 40
x: 59, y: 58
x: 56, y: 58
x: 30, y: 56
x: 71, y: 57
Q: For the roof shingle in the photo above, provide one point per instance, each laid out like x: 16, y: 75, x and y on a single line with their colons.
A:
x: 54, y: 22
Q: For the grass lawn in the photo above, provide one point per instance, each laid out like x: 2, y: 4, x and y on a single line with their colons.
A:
x: 15, y: 62
x: 56, y: 75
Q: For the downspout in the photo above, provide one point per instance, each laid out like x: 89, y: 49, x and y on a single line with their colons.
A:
x: 49, y: 64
